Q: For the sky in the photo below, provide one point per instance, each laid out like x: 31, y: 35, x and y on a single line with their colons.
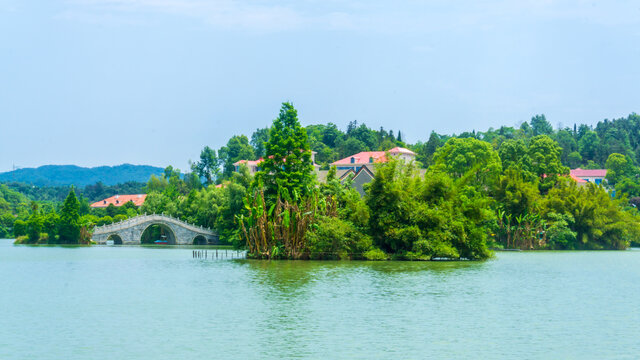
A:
x: 105, y: 82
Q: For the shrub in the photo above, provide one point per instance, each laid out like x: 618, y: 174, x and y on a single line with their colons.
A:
x: 333, y: 238
x: 19, y: 228
x: 22, y: 239
x: 119, y: 217
x: 105, y: 220
x: 375, y: 254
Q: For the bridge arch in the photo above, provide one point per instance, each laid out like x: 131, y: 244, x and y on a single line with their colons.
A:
x: 158, y: 231
x: 117, y: 240
x: 200, y: 240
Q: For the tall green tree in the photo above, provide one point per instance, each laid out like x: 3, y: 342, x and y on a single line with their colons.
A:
x: 208, y: 168
x: 541, y: 126
x: 237, y: 148
x: 287, y: 169
x: 618, y: 167
x: 69, y: 227
x: 258, y: 139
x: 544, y: 154
x: 459, y: 156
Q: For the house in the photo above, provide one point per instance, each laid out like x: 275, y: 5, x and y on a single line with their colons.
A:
x: 119, y: 200
x: 254, y: 165
x: 321, y: 175
x: 360, y: 159
x: 595, y: 176
x: 251, y: 164
x: 580, y: 182
x: 363, y: 176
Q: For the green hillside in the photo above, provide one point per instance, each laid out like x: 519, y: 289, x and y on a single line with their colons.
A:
x: 61, y: 175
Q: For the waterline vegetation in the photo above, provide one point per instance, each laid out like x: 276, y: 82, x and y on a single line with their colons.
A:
x: 506, y: 188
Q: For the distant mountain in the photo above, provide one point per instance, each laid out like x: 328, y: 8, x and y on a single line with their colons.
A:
x: 56, y: 175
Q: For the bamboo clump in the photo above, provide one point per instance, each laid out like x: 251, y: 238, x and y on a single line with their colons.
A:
x: 279, y: 232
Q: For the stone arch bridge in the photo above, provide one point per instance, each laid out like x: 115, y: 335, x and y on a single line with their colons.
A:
x: 129, y: 232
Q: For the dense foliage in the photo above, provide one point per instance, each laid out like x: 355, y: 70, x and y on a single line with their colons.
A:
x: 92, y: 193
x: 464, y: 194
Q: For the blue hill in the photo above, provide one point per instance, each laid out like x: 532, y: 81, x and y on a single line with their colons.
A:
x: 57, y: 175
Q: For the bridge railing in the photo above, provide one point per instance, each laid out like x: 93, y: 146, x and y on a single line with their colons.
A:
x: 123, y: 224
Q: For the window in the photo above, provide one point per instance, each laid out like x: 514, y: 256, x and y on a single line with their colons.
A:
x: 353, y: 160
x: 598, y: 181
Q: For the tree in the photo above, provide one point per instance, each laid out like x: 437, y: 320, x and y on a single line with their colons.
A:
x: 350, y: 146
x: 618, y: 166
x: 544, y: 154
x: 515, y: 195
x: 258, y: 139
x: 287, y: 169
x: 541, y: 126
x: 458, y: 156
x: 156, y: 184
x: 425, y: 154
x: 435, y: 218
x: 237, y: 148
x: 69, y: 227
x: 208, y: 167
x: 514, y: 154
x: 574, y: 160
x: 34, y: 227
x: 599, y: 221
x: 568, y: 144
x: 331, y: 134
x: 589, y: 145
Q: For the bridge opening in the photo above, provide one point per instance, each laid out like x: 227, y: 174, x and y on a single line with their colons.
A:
x: 200, y: 240
x: 158, y: 234
x: 117, y: 240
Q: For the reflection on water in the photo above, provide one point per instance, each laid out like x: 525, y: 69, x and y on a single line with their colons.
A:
x: 139, y: 302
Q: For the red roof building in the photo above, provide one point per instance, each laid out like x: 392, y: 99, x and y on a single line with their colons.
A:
x: 577, y: 179
x: 119, y: 200
x: 356, y: 161
x: 596, y: 176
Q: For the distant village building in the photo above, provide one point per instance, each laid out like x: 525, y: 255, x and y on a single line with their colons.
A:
x: 360, y: 159
x: 252, y: 165
x: 595, y: 176
x: 119, y: 200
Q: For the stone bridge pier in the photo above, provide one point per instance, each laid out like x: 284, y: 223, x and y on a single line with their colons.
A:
x: 178, y: 232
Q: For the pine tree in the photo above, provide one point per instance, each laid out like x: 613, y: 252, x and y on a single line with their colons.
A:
x: 287, y: 169
x: 69, y: 227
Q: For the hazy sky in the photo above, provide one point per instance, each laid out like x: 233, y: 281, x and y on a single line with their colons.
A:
x: 102, y: 82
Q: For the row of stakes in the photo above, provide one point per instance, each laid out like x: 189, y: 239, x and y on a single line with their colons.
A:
x: 206, y: 254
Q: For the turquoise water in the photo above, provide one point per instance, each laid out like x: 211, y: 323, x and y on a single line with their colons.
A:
x: 155, y: 303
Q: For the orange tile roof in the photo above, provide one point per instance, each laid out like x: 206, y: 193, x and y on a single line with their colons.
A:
x: 577, y: 179
x: 119, y: 200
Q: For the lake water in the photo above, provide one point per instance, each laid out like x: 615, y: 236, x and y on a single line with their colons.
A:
x: 160, y: 303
